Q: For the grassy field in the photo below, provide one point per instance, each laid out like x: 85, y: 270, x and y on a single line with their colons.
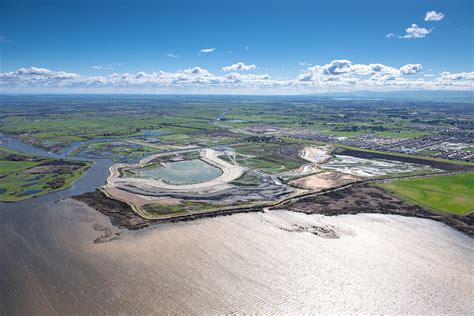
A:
x: 65, y: 119
x: 63, y: 129
x: 403, y: 134
x: 52, y: 123
x: 117, y: 151
x: 24, y: 176
x: 270, y: 157
x: 183, y: 206
x: 7, y: 167
x: 452, y: 194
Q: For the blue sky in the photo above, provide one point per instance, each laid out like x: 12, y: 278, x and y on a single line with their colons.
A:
x: 282, y: 39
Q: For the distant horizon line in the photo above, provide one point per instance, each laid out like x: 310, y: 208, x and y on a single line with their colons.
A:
x: 244, y: 94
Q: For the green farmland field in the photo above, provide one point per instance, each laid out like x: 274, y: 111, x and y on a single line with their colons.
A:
x: 452, y: 194
x: 270, y: 157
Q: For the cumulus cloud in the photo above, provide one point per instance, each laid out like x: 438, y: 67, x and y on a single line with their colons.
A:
x: 411, y: 32
x: 35, y: 76
x: 346, y: 67
x: 239, y: 66
x: 338, y: 75
x: 461, y: 78
x: 344, y: 74
x: 410, y: 69
x: 207, y: 50
x: 434, y: 16
x: 171, y: 55
x: 254, y: 80
x: 414, y: 31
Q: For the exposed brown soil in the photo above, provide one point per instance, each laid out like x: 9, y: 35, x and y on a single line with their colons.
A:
x: 323, y: 180
x: 120, y: 213
x: 361, y: 198
x: 27, y: 138
x: 52, y: 168
x: 355, y: 199
x: 107, y: 234
x: 64, y: 163
x: 15, y: 157
x: 57, y: 182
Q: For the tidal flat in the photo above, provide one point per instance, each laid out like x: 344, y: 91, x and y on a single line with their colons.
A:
x: 271, y: 262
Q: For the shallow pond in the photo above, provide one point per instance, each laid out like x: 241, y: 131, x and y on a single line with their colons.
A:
x: 182, y: 172
x: 29, y: 192
x: 371, y: 167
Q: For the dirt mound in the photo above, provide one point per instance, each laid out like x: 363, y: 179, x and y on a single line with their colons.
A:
x: 120, y: 213
x: 323, y: 180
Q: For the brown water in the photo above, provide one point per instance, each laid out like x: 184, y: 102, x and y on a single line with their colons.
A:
x: 241, y: 263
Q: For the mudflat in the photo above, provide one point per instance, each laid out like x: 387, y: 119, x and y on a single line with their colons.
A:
x: 267, y: 262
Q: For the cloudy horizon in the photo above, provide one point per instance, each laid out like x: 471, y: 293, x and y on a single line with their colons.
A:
x: 283, y: 48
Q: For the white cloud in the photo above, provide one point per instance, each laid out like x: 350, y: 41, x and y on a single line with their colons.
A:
x: 346, y: 67
x: 434, y: 16
x: 259, y: 80
x: 338, y: 75
x: 197, y: 71
x: 239, y: 66
x: 414, y: 31
x: 35, y: 76
x: 343, y: 74
x: 171, y: 55
x: 411, y: 69
x: 461, y: 78
x: 207, y: 50
x: 105, y: 67
x: 302, y: 63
